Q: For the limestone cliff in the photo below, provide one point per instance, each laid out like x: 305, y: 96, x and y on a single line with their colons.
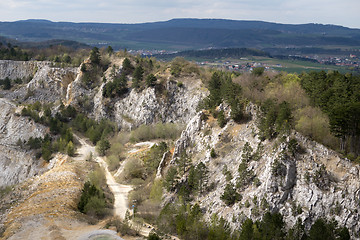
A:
x: 17, y: 163
x: 45, y: 83
x: 309, y: 183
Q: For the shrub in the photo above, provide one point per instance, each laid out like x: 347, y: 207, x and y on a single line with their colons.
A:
x: 70, y: 149
x: 150, y: 80
x: 230, y: 195
x: 258, y: 71
x: 92, y: 201
x: 221, y: 119
x: 213, y: 153
x: 153, y: 236
x: 102, y: 146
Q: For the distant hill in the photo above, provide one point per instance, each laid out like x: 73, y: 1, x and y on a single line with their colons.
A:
x: 44, y: 44
x: 186, y: 34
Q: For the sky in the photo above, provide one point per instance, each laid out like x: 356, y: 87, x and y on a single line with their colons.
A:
x: 338, y: 12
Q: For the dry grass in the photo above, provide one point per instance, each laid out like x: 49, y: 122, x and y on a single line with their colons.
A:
x: 53, y: 195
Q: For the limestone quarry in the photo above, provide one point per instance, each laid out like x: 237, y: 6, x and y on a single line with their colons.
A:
x: 308, y: 184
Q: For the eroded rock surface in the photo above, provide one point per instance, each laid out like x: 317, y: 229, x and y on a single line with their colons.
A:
x: 314, y: 182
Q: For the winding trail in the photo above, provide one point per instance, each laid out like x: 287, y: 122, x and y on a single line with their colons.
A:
x: 120, y: 191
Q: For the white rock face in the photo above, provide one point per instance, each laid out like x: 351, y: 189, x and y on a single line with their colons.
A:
x: 46, y: 83
x: 16, y: 163
x: 19, y: 69
x: 146, y: 107
x: 317, y: 183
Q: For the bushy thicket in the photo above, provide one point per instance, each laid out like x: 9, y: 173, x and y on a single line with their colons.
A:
x: 63, y: 142
x: 282, y: 92
x: 93, y: 201
x: 187, y: 222
x: 61, y: 125
x: 141, y: 171
x: 197, y: 180
x: 92, y: 72
x: 338, y: 95
x: 10, y: 52
x: 275, y: 119
x: 141, y: 71
x: 223, y: 89
x: 92, y: 129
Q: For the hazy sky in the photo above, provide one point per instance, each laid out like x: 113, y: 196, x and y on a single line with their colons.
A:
x: 339, y: 12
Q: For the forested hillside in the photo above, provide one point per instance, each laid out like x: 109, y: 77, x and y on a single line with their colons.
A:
x: 184, y: 34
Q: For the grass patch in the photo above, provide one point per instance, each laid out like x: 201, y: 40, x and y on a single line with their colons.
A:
x: 157, y: 131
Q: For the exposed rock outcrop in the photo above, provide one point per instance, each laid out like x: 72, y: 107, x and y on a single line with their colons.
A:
x: 308, y: 184
x: 45, y: 83
x: 178, y: 105
x: 20, y: 69
x: 16, y: 163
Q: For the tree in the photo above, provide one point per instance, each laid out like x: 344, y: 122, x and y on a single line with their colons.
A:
x: 83, y: 68
x: 153, y: 236
x: 137, y: 76
x: 95, y: 56
x: 230, y: 195
x: 127, y: 67
x: 138, y: 73
x: 109, y: 50
x: 171, y: 178
x: 247, y: 230
x: 258, y: 71
x: 247, y: 152
x: 102, y: 146
x: 214, y: 87
x: 272, y: 227
x: 70, y: 149
x: 150, y: 80
x: 221, y: 119
x: 245, y: 175
x: 46, y: 150
x: 297, y: 232
x: 198, y: 178
x: 66, y: 58
x: 183, y: 162
x: 7, y: 83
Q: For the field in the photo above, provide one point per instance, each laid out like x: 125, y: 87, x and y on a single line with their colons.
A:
x: 291, y: 66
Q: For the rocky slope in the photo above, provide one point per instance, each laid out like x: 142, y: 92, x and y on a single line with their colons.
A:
x: 310, y: 183
x: 148, y: 106
x: 17, y: 163
x: 54, y: 85
x: 44, y: 207
x: 44, y: 82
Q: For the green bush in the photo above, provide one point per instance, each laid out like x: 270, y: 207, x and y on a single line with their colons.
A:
x: 230, y: 195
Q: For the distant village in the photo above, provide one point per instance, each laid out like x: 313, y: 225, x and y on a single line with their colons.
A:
x: 245, y: 65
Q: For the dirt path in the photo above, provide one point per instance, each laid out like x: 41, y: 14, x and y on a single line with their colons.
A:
x: 120, y: 191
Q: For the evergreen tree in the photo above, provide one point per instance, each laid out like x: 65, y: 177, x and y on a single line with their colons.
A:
x: 70, y: 149
x: 171, y: 178
x: 127, y: 67
x: 7, y: 83
x: 150, y: 80
x: 230, y: 195
x: 95, y: 56
x: 102, y: 146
